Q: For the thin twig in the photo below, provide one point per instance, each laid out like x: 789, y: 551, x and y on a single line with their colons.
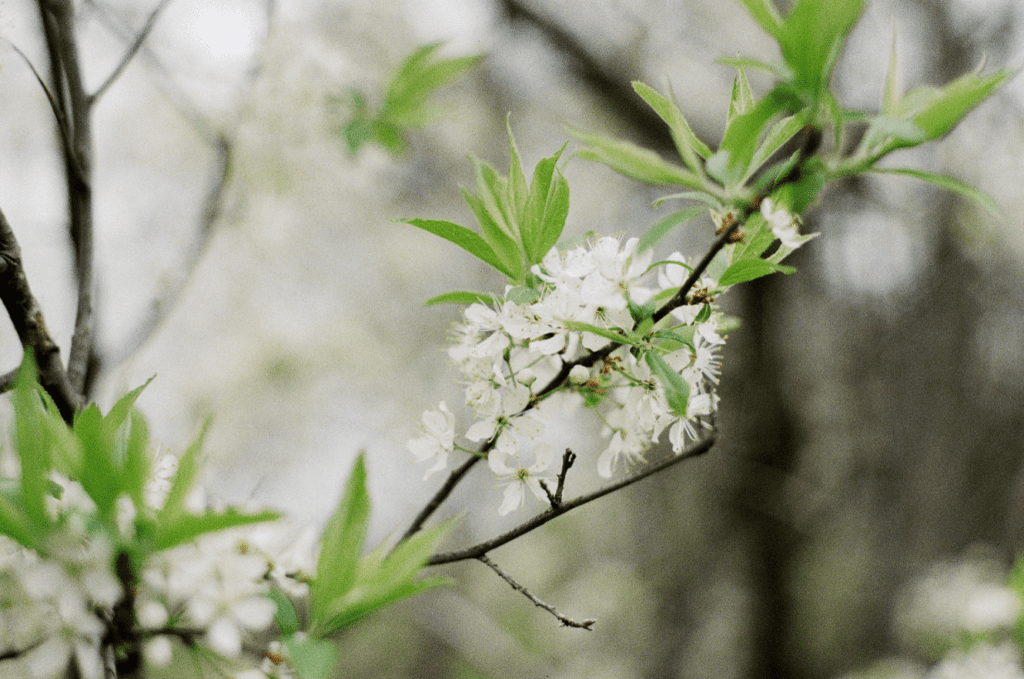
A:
x: 147, y: 28
x: 160, y: 308
x: 440, y: 496
x: 694, y: 450
x: 566, y: 621
x: 27, y: 318
x: 555, y: 499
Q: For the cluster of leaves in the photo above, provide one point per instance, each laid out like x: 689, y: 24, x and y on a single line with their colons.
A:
x: 751, y: 161
x: 405, y: 100
x: 349, y: 585
x: 109, y: 455
x: 519, y: 222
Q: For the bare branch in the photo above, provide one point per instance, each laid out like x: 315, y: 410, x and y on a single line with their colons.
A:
x: 58, y: 22
x: 476, y: 551
x: 160, y: 307
x: 442, y: 494
x: 587, y: 624
x: 147, y: 28
x: 555, y: 499
x: 27, y: 317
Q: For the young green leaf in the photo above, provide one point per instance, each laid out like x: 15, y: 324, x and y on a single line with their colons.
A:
x: 342, y: 544
x: 579, y: 326
x: 312, y: 658
x: 764, y: 13
x: 949, y: 184
x: 416, y: 79
x: 184, y: 478
x: 504, y: 246
x: 666, y: 224
x: 546, y: 208
x: 135, y: 465
x: 812, y: 37
x: 780, y: 133
x: 677, y: 391
x: 174, y: 530
x: 742, y: 100
x: 740, y: 140
x: 461, y: 297
x: 634, y: 161
x: 947, y: 106
x: 285, y: 615
x: 687, y: 143
x: 119, y: 413
x: 468, y: 240
x: 15, y: 524
x: 748, y: 269
x: 517, y: 188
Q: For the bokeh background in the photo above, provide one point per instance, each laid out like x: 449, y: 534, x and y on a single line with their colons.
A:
x: 871, y: 404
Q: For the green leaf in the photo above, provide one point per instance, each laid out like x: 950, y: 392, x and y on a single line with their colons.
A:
x: 33, y: 449
x: 702, y: 196
x: 779, y: 72
x: 764, y: 13
x: 740, y: 139
x: 947, y: 107
x: 100, y: 477
x: 687, y: 143
x: 285, y: 615
x: 468, y: 240
x: 517, y: 188
x: 504, y: 246
x: 812, y: 37
x: 461, y: 297
x: 749, y: 269
x: 416, y: 79
x: 666, y: 224
x: 579, y: 326
x: 522, y: 295
x: 780, y: 133
x: 312, y: 658
x: 742, y: 100
x: 119, y: 413
x: 758, y: 238
x: 492, y: 192
x: 677, y: 391
x: 634, y: 161
x: 136, y: 465
x: 891, y: 90
x: 949, y: 184
x: 342, y: 545
x: 382, y: 582
x: 546, y: 208
x: 15, y: 524
x: 181, y: 528
x: 184, y: 478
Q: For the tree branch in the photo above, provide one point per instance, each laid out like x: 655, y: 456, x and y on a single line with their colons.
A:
x: 58, y: 22
x: 213, y: 208
x: 476, y: 551
x: 27, y: 317
x: 587, y: 624
x: 130, y: 53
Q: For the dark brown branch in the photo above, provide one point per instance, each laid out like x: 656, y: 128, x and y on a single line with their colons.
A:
x: 476, y: 551
x: 58, y: 23
x: 441, y: 495
x: 566, y: 621
x: 27, y: 317
x: 147, y: 28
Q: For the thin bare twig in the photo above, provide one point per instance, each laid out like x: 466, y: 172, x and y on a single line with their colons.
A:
x: 159, y: 308
x: 555, y: 499
x: 27, y: 318
x: 566, y: 621
x: 147, y: 28
x: 694, y: 450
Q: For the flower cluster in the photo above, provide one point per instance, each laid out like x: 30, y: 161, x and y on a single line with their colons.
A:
x: 583, y: 300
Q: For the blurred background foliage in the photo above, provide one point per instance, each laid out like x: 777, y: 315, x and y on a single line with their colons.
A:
x: 871, y: 404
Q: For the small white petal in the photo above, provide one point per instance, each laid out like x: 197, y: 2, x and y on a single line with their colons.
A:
x: 158, y: 651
